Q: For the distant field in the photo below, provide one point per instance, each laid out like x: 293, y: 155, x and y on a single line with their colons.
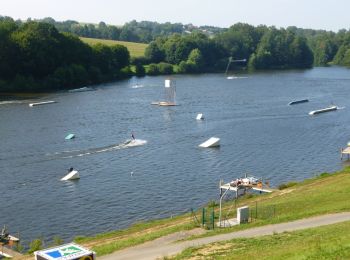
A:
x: 135, y: 49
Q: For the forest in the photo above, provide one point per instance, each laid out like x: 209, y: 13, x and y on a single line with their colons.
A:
x: 34, y: 56
x: 48, y: 55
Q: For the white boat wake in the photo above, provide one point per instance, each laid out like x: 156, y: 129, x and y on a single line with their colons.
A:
x: 79, y: 153
x: 8, y: 102
x: 234, y: 77
x: 137, y: 86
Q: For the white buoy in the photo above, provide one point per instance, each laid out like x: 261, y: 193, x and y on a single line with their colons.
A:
x: 200, y: 117
x: 211, y: 142
x: 72, y: 175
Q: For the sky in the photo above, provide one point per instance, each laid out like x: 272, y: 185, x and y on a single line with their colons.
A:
x: 315, y: 14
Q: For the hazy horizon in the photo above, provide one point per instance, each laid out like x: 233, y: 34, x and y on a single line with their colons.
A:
x: 280, y: 13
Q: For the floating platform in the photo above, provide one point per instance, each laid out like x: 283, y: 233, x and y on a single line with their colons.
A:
x: 42, y: 103
x: 70, y: 136
x: 345, y: 151
x: 240, y: 189
x: 298, y: 102
x: 200, y: 117
x: 163, y: 103
x: 73, y: 175
x: 211, y: 142
x: 324, y: 110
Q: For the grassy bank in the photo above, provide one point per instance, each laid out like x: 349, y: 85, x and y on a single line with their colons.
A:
x: 328, y: 242
x: 327, y: 193
x: 135, y: 49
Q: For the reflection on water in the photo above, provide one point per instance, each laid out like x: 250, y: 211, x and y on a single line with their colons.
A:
x: 259, y: 134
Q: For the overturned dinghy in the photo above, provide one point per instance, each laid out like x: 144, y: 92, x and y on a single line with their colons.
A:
x: 72, y: 175
x: 211, y: 142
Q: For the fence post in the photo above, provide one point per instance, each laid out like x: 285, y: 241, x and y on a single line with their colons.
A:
x: 203, y: 216
x: 256, y: 210
x: 213, y: 218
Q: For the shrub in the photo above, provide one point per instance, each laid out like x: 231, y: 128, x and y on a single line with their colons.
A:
x: 287, y: 185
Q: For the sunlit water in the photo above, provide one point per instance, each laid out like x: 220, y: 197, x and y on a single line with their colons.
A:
x: 166, y: 173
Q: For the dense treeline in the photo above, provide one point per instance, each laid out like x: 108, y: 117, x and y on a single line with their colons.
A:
x: 133, y: 31
x: 45, y: 56
x: 35, y: 56
x: 263, y: 47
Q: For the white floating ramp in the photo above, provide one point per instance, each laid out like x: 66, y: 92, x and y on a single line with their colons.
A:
x: 212, y: 142
x: 72, y: 175
x: 42, y: 103
x: 327, y: 109
x: 70, y: 136
x: 200, y: 117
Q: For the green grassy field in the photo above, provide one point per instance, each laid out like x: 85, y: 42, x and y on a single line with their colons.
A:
x: 327, y: 193
x: 135, y: 49
x: 328, y: 242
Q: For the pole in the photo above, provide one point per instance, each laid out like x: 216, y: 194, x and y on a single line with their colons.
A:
x: 221, y: 206
x: 213, y: 218
x: 203, y: 216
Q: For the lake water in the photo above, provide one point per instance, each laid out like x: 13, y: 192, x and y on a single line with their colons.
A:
x: 169, y: 174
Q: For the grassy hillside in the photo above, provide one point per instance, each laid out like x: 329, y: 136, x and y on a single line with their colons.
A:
x: 327, y: 242
x: 135, y: 49
x: 327, y: 193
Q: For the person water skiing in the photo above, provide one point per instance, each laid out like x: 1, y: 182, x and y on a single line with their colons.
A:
x: 132, y: 136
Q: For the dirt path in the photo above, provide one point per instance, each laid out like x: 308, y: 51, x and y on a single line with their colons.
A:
x: 165, y: 246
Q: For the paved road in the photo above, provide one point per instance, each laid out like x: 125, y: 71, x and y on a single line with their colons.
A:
x: 162, y: 247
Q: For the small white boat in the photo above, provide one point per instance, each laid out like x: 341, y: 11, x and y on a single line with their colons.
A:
x: 200, y: 117
x: 327, y: 109
x: 211, y: 142
x: 72, y: 175
x: 81, y: 89
x: 42, y: 103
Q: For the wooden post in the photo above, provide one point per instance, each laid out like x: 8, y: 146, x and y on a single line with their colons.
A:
x: 341, y: 153
x: 203, y: 216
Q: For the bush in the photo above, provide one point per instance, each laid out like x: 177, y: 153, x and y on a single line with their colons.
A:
x: 165, y: 68
x: 287, y: 185
x: 35, y: 245
x: 140, y: 70
x: 152, y: 69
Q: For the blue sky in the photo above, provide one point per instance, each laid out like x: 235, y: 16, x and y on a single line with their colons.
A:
x: 315, y: 14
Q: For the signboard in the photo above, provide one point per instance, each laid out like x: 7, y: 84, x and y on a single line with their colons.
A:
x: 70, y: 251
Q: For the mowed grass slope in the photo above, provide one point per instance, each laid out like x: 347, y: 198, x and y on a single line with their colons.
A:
x: 327, y: 193
x: 135, y: 49
x: 327, y: 242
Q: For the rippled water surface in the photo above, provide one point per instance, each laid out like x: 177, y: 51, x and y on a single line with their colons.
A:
x: 166, y: 173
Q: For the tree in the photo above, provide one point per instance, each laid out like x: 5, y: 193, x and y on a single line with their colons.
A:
x: 153, y: 53
x: 139, y: 70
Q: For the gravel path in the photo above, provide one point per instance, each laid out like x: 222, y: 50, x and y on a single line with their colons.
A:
x: 165, y: 246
